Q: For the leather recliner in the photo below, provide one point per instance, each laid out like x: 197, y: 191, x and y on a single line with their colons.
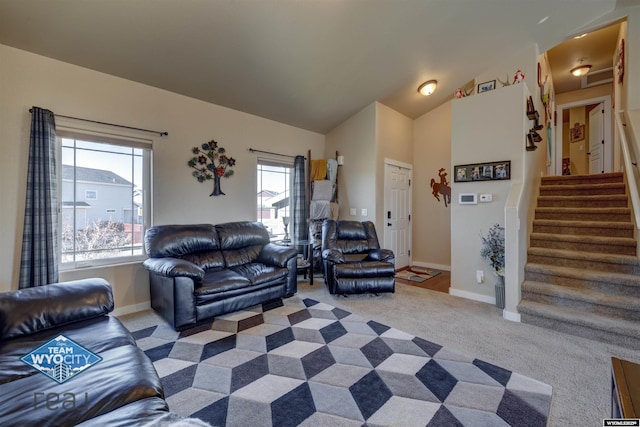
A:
x: 353, y: 261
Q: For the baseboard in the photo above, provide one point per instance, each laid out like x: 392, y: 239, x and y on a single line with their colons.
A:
x: 472, y: 296
x: 510, y: 315
x: 121, y: 311
x: 431, y: 265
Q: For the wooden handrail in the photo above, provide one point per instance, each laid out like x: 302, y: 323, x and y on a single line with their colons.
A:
x: 627, y: 147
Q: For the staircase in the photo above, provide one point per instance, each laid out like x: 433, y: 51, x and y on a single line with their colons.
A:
x: 582, y: 274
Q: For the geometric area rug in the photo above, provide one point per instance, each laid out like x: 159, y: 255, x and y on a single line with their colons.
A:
x: 302, y: 362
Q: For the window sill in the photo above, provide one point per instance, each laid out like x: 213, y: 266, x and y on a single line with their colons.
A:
x: 95, y: 264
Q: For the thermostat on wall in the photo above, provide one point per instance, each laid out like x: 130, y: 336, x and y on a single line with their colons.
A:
x: 468, y: 198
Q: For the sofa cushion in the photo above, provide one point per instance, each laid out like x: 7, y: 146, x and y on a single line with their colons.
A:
x: 97, y: 335
x: 220, y: 281
x: 26, y: 311
x: 205, y: 259
x: 246, y: 255
x: 236, y: 235
x: 177, y: 240
x: 259, y: 273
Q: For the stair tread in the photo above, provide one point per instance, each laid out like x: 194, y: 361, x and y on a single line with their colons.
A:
x: 584, y: 295
x: 585, y: 256
x: 586, y: 197
x: 583, y: 224
x: 595, y: 185
x: 581, y: 273
x: 583, y: 209
x: 593, y: 177
x: 629, y: 241
x: 595, y: 321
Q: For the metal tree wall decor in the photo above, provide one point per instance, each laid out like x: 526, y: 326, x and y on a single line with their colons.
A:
x: 211, y: 163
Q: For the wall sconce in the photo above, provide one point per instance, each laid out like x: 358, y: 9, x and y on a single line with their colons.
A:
x: 427, y: 88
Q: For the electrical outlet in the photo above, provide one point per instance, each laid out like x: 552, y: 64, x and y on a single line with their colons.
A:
x: 484, y: 198
x: 352, y: 212
x: 479, y: 276
x: 364, y: 212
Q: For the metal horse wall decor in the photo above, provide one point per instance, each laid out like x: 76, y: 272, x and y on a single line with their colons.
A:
x: 441, y: 187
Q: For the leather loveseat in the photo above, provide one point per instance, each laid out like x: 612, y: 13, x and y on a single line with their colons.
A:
x: 353, y: 262
x: 197, y: 272
x: 122, y: 388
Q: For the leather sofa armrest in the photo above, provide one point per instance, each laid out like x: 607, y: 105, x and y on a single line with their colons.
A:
x: 333, y: 256
x: 30, y: 310
x: 385, y: 255
x: 272, y: 254
x: 174, y: 267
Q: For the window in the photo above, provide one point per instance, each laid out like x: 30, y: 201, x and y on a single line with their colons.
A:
x: 108, y: 229
x: 273, y: 206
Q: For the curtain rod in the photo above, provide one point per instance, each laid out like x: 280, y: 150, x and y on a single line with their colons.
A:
x: 109, y: 124
x: 253, y: 150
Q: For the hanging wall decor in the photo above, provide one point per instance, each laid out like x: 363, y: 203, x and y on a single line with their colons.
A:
x: 491, y: 171
x: 211, y: 163
x: 441, y: 187
x: 620, y: 61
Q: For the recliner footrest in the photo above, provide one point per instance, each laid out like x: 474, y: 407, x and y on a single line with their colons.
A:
x: 364, y: 269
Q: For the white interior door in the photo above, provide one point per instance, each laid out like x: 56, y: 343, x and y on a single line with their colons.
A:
x: 596, y: 140
x: 397, y: 212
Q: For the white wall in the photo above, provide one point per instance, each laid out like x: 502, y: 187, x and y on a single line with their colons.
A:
x: 365, y: 140
x: 431, y: 219
x: 355, y: 139
x: 488, y: 127
x: 394, y: 140
x: 28, y: 79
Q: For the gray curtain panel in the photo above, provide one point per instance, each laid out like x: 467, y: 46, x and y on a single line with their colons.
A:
x: 39, y: 263
x: 299, y: 203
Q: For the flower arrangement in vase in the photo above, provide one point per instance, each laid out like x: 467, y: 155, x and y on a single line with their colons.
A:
x: 211, y: 163
x: 493, y: 251
x: 493, y: 248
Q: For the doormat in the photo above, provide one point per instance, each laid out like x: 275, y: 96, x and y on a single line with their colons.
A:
x: 417, y: 274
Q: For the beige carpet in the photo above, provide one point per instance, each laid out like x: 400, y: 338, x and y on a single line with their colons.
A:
x: 577, y: 368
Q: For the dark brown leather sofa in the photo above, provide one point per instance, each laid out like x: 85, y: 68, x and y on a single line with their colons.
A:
x: 121, y: 389
x: 353, y: 262
x: 197, y: 272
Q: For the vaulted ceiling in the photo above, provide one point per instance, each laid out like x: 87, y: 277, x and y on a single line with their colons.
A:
x: 307, y: 63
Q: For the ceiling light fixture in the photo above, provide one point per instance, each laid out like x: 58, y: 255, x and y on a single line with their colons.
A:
x: 581, y: 70
x: 427, y: 88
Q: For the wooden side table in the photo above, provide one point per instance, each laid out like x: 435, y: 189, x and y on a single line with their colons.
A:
x: 303, y: 267
x: 625, y: 389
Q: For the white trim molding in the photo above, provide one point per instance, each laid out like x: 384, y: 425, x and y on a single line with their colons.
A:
x: 472, y: 296
x: 129, y: 309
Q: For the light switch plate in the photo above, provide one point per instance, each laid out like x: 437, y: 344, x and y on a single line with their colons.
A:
x: 486, y: 198
x: 352, y: 211
x: 364, y: 212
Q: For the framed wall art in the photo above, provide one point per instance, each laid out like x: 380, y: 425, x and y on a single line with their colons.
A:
x: 576, y: 133
x: 491, y: 171
x: 487, y: 86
